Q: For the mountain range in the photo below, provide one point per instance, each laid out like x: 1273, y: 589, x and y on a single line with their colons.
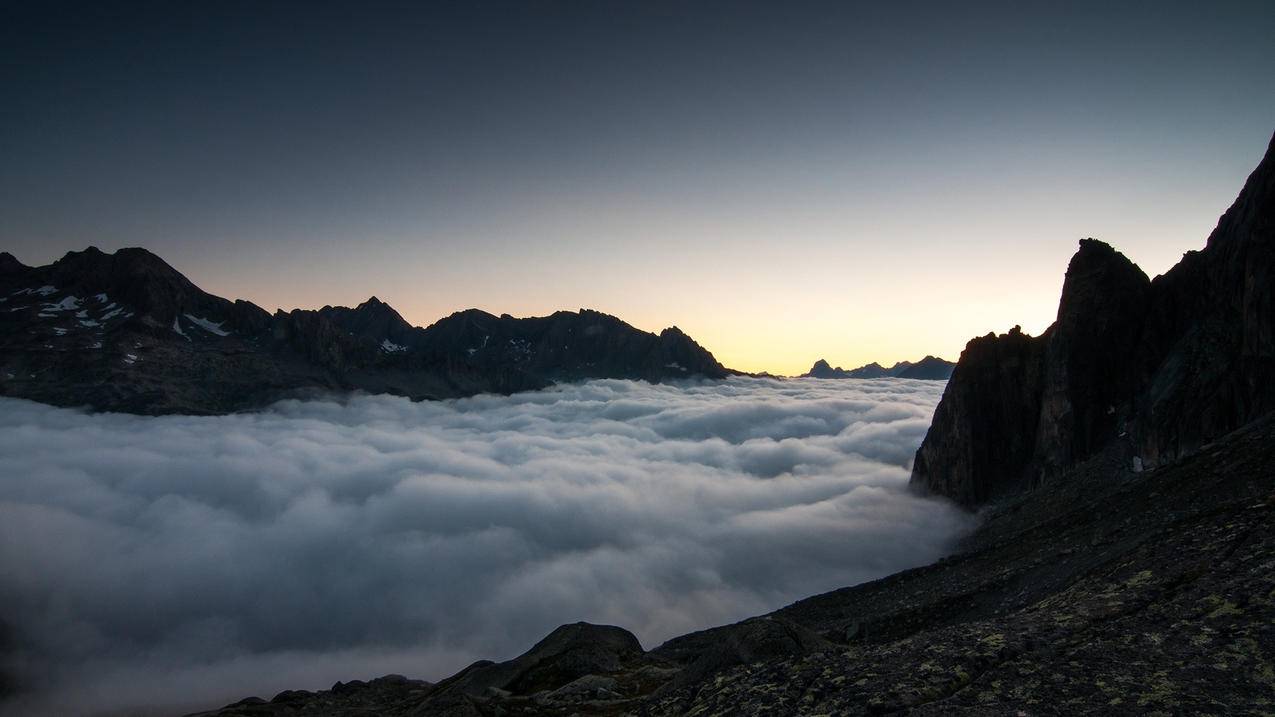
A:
x: 930, y: 368
x: 1121, y: 463
x: 127, y: 332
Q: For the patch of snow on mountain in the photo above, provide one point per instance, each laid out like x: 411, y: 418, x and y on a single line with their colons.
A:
x: 390, y: 347
x: 66, y: 304
x: 209, y: 326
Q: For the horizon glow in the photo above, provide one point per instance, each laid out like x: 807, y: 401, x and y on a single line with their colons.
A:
x: 852, y: 183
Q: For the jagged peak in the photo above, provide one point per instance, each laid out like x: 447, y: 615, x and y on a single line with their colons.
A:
x: 1256, y: 201
x: 134, y: 261
x: 9, y: 263
x: 1097, y: 276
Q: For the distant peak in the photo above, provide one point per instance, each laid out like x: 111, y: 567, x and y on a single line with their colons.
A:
x: 372, y: 303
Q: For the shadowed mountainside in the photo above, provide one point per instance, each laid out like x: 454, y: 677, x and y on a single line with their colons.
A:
x: 127, y: 332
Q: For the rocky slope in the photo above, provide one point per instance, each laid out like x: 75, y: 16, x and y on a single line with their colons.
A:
x: 930, y: 368
x: 1113, y: 592
x: 127, y: 332
x: 1096, y: 584
x: 1151, y: 370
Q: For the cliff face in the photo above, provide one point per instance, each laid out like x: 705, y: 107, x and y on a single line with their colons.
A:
x: 1146, y: 371
x: 127, y: 332
x: 985, y: 425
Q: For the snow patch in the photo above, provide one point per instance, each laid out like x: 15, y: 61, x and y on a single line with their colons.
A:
x: 177, y: 326
x: 102, y: 298
x: 390, y: 347
x: 88, y: 323
x: 112, y: 313
x: 209, y: 326
x: 675, y: 365
x: 66, y: 304
x: 44, y: 290
x: 130, y: 358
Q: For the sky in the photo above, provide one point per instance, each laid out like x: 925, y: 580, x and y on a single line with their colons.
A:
x: 783, y: 181
x: 188, y: 562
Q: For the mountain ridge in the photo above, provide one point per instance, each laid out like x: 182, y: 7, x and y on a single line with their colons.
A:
x: 128, y: 332
x: 930, y: 368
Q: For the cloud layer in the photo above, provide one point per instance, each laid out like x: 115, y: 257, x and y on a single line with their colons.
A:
x: 193, y: 560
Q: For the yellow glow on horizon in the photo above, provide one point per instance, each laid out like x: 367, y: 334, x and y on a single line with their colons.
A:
x: 765, y: 287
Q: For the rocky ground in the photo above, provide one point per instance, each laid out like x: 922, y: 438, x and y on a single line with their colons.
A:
x: 1105, y: 591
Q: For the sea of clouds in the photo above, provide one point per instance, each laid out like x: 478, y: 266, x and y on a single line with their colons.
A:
x: 195, y: 560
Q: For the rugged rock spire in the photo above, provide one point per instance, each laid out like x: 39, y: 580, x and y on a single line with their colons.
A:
x: 1131, y: 369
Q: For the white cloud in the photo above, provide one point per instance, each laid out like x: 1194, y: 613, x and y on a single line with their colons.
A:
x: 196, y: 560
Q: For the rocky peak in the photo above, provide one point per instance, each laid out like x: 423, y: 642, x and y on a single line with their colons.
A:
x: 1132, y: 369
x: 984, y: 429
x: 373, y: 320
x: 1250, y: 216
x: 1099, y: 280
x: 135, y: 277
x: 822, y: 369
x: 9, y: 264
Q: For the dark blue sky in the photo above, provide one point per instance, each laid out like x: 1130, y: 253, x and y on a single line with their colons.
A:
x: 782, y: 180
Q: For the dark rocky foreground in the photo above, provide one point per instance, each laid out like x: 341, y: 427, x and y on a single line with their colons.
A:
x: 1125, y: 565
x: 127, y: 332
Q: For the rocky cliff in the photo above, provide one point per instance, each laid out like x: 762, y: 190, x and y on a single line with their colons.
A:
x: 127, y: 332
x: 1135, y: 370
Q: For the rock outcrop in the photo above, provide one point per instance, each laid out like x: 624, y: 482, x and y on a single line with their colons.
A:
x: 127, y: 332
x: 1140, y: 371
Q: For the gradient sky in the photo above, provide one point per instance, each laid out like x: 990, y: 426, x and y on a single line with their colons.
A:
x: 784, y: 181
